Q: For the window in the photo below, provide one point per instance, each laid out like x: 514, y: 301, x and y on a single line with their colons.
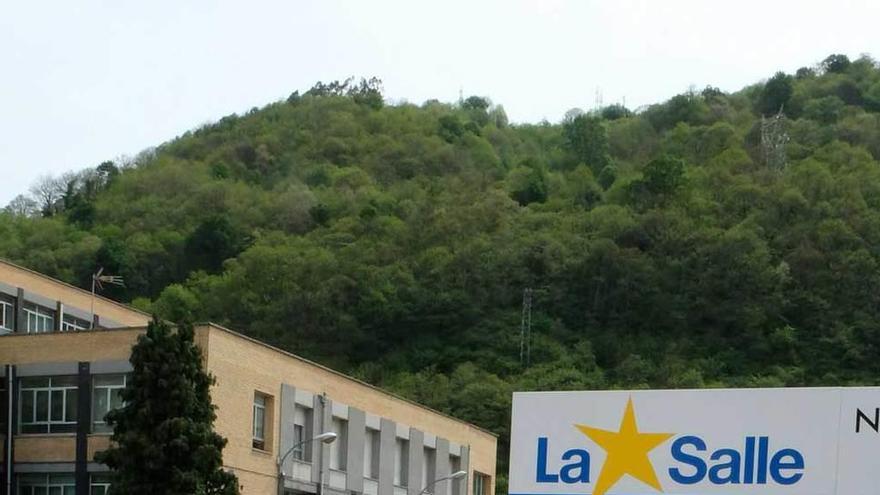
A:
x: 401, y: 462
x: 38, y: 319
x: 106, y: 396
x: 481, y: 484
x: 46, y: 484
x: 429, y: 467
x: 454, y: 467
x: 99, y: 484
x: 338, y: 448
x: 302, y: 430
x: 259, y: 438
x: 48, y: 405
x: 73, y: 324
x: 371, y: 454
x: 7, y: 313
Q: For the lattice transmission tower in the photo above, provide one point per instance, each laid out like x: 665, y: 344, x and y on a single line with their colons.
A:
x: 774, y: 138
x: 525, y: 329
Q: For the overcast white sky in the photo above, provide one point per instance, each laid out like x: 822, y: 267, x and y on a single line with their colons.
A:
x: 86, y: 81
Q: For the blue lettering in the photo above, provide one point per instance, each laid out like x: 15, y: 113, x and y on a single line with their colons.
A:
x: 542, y: 475
x: 581, y: 467
x: 777, y: 464
x: 731, y: 466
x: 691, y: 460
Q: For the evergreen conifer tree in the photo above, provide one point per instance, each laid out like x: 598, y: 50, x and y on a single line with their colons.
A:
x: 163, y: 439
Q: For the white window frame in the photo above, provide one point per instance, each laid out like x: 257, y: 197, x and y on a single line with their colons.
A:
x: 7, y: 315
x: 258, y: 434
x: 49, y: 390
x: 338, y: 449
x: 73, y: 324
x: 102, y: 484
x: 65, y: 483
x: 371, y: 454
x: 480, y: 482
x: 99, y: 425
x: 302, y: 419
x: 401, y: 462
x: 43, y: 319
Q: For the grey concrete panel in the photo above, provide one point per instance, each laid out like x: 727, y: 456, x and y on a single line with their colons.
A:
x: 48, y: 369
x: 78, y: 313
x: 285, y: 425
x: 59, y: 315
x: 442, y: 466
x: 44, y: 467
x: 322, y: 419
x: 43, y: 301
x: 97, y: 467
x: 357, y: 425
x: 9, y: 290
x: 387, y: 438
x: 111, y: 367
x: 416, y: 457
x: 466, y: 466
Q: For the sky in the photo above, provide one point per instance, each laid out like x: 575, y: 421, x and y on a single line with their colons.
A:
x: 87, y: 81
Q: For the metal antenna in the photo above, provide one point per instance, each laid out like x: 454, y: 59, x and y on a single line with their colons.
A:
x: 774, y: 137
x: 98, y: 279
x: 525, y: 329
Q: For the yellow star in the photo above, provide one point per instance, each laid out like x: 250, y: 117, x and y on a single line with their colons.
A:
x: 626, y: 452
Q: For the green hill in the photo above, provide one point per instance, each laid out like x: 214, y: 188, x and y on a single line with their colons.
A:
x: 665, y: 248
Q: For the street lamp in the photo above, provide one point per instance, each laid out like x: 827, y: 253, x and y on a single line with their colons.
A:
x: 454, y: 476
x: 326, y: 437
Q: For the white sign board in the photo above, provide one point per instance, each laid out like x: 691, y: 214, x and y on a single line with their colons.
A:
x: 805, y: 441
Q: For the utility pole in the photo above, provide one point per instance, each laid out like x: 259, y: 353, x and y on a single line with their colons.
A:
x: 525, y: 330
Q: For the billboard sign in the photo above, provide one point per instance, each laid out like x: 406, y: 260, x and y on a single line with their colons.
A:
x: 798, y: 441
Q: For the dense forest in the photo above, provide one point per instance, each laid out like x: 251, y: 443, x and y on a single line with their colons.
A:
x: 711, y: 240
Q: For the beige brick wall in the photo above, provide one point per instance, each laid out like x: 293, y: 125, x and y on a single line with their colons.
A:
x: 53, y: 289
x: 45, y: 448
x: 243, y: 366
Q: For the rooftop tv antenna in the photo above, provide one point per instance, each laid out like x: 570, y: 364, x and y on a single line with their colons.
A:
x: 525, y: 329
x: 98, y: 281
x: 774, y: 138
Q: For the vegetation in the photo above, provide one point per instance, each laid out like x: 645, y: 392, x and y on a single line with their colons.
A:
x: 163, y: 437
x: 395, y: 241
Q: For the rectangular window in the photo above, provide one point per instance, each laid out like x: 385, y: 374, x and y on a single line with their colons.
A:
x: 99, y: 484
x: 302, y: 430
x: 106, y: 396
x: 454, y: 467
x: 338, y: 448
x: 46, y: 484
x: 38, y: 319
x: 401, y: 462
x: 429, y: 466
x: 7, y: 313
x: 371, y: 454
x: 48, y: 404
x: 481, y: 484
x: 259, y: 437
x: 73, y: 324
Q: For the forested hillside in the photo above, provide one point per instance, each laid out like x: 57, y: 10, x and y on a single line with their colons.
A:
x: 664, y: 247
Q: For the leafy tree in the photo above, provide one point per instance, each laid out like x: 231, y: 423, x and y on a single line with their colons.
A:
x: 587, y: 140
x: 836, y: 63
x: 775, y: 94
x: 211, y: 243
x: 163, y: 438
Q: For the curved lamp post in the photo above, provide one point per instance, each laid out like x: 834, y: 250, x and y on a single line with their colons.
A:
x: 326, y: 437
x: 454, y: 476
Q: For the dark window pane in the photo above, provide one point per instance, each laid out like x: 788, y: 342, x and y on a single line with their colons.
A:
x: 42, y: 405
x: 57, y: 405
x: 27, y: 406
x: 70, y: 412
